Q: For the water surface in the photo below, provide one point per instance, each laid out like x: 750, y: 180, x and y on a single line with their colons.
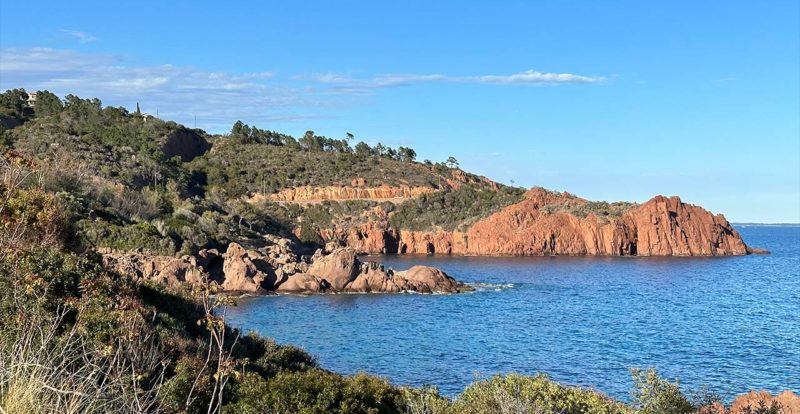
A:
x: 730, y: 323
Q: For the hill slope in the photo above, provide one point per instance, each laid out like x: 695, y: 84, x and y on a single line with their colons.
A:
x: 139, y: 182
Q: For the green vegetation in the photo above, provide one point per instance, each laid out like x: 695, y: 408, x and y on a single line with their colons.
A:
x: 126, y: 193
x: 258, y: 168
x: 452, y: 210
x: 602, y: 209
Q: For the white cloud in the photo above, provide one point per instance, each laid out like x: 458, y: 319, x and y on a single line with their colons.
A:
x: 530, y: 78
x: 82, y: 37
x: 177, y: 92
x: 533, y: 77
x: 217, y: 99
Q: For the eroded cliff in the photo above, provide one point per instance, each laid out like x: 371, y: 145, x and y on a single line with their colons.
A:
x: 309, y: 194
x: 551, y: 223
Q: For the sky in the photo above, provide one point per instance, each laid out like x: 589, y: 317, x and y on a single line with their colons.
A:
x: 618, y: 100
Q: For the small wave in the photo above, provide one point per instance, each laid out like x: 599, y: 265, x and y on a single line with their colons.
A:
x: 497, y: 287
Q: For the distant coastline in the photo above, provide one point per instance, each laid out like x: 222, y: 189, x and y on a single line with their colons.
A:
x: 766, y: 224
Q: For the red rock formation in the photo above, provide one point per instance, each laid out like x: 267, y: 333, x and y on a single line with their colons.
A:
x: 275, y: 269
x: 788, y: 401
x: 316, y: 194
x: 303, y: 283
x: 544, y: 224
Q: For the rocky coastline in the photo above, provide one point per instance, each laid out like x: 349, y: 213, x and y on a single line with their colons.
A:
x: 277, y: 268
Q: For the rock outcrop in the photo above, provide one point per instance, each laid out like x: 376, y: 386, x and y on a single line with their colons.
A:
x: 316, y: 194
x: 184, y: 143
x: 276, y: 268
x: 788, y: 401
x: 549, y: 223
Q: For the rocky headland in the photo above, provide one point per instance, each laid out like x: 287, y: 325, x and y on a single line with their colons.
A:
x: 547, y: 223
x: 278, y: 268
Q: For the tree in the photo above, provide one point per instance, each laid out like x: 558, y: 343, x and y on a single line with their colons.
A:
x: 241, y: 133
x: 47, y: 104
x: 452, y: 162
x: 363, y: 150
x: 13, y: 102
x: 349, y: 136
x: 138, y: 111
x: 236, y: 129
x: 406, y: 154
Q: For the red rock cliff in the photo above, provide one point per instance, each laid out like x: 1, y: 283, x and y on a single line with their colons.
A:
x: 539, y: 226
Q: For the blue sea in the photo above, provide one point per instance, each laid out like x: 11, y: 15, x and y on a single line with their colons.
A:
x: 731, y: 323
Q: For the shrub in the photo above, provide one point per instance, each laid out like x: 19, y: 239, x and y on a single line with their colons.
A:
x: 316, y: 392
x: 652, y: 394
x: 515, y: 393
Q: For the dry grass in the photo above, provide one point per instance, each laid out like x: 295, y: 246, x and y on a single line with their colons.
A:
x: 45, y: 371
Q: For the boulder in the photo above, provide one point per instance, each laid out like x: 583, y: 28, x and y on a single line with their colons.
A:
x: 266, y: 269
x: 303, y: 283
x: 339, y: 268
x: 426, y: 279
x: 240, y: 272
x: 372, y: 278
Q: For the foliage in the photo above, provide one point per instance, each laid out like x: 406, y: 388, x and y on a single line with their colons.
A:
x: 652, y: 394
x: 451, y: 210
x: 602, y: 209
x: 98, y: 233
x: 14, y: 103
x: 316, y: 392
x: 538, y: 394
x: 257, y: 168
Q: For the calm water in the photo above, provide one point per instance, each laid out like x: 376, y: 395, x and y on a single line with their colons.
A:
x: 730, y: 323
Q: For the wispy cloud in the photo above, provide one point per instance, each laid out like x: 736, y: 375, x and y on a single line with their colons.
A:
x: 527, y: 78
x: 82, y: 37
x: 178, y: 92
x: 217, y: 99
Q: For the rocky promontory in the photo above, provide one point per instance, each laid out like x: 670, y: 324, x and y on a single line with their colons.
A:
x: 277, y: 268
x: 551, y: 223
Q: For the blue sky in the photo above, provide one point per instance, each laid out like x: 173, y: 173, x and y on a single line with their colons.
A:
x: 612, y: 101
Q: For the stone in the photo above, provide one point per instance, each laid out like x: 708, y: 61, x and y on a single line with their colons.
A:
x: 303, y: 283
x: 339, y: 268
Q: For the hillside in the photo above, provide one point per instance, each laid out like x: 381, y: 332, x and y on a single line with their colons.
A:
x: 140, y: 182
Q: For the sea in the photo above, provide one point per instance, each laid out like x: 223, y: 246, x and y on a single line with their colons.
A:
x: 729, y: 323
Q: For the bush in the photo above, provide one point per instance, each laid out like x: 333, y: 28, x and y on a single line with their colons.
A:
x: 652, y: 394
x: 515, y: 393
x: 316, y: 392
x: 124, y: 237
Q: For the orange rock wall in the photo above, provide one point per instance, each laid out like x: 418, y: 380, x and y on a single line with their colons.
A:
x: 313, y: 194
x: 663, y: 226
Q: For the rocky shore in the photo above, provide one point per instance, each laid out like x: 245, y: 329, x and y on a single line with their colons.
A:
x: 278, y: 268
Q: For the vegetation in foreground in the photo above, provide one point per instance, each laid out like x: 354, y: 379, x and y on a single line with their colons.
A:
x: 76, y: 337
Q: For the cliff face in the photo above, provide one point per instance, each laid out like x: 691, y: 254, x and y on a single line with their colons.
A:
x: 308, y: 194
x: 545, y: 223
